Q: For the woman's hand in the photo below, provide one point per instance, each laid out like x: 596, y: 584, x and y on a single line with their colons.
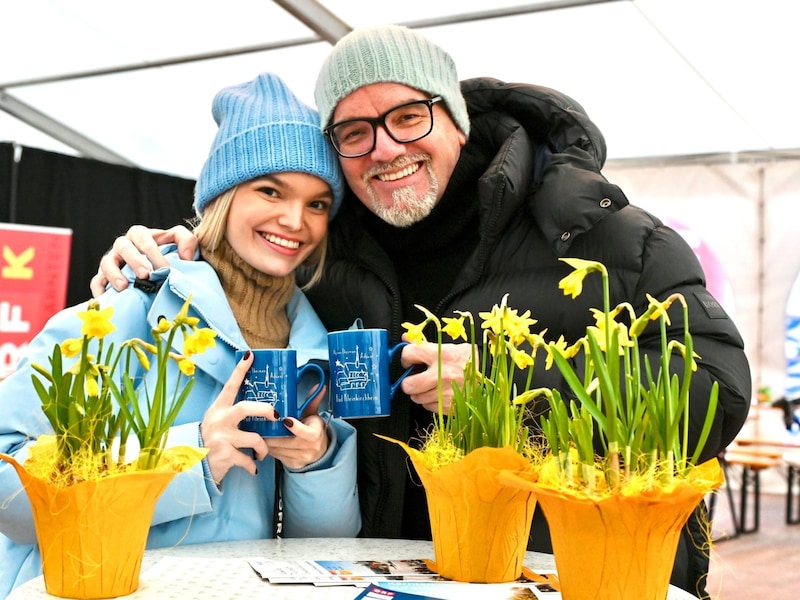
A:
x: 422, y: 386
x: 309, y: 441
x: 220, y: 427
x: 139, y: 249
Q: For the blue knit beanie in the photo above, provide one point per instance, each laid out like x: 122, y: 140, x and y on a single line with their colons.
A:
x: 393, y: 54
x: 264, y: 128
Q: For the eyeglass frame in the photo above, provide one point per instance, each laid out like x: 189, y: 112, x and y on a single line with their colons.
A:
x: 381, y: 120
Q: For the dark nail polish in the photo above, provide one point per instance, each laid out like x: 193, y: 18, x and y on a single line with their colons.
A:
x: 276, y: 414
x: 288, y: 422
x: 256, y: 470
x: 246, y: 355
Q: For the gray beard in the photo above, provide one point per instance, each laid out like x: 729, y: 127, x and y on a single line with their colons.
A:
x: 407, y: 208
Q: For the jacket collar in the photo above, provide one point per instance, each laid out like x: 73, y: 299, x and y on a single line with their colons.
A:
x: 550, y: 157
x: 182, y: 278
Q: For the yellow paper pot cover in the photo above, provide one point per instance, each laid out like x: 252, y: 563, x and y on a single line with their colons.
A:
x: 480, y: 526
x: 621, y: 547
x: 92, y: 535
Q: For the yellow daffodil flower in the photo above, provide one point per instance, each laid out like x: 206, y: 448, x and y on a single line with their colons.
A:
x: 186, y: 366
x: 659, y: 309
x: 674, y: 344
x: 560, y: 346
x: 143, y: 359
x: 572, y: 284
x: 522, y: 359
x: 199, y: 341
x: 494, y: 320
x: 518, y: 327
x: 162, y: 326
x: 96, y: 321
x: 455, y: 327
x: 92, y: 389
x: 183, y: 318
x: 414, y: 332
x: 71, y: 347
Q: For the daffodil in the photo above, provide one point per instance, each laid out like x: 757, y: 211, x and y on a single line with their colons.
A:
x: 522, y: 359
x: 493, y: 321
x: 186, y: 366
x: 659, y: 309
x: 71, y: 347
x: 77, y: 398
x: 199, y: 341
x: 560, y: 347
x: 676, y: 345
x: 636, y: 404
x: 183, y: 318
x: 92, y: 389
x: 455, y: 327
x: 572, y: 284
x: 96, y: 322
x: 414, y: 332
x: 162, y: 326
x: 484, y: 410
x: 518, y: 327
x: 142, y: 357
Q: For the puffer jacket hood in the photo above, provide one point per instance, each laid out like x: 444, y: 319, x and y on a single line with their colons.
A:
x: 561, y: 155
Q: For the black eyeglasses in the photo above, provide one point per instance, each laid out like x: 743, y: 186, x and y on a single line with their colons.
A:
x: 406, y: 123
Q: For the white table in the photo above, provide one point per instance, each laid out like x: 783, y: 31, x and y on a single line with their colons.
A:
x: 221, y: 571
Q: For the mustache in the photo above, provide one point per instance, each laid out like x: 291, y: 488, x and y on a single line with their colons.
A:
x: 398, y: 163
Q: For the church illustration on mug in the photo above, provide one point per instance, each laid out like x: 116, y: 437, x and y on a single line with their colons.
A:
x: 351, y: 375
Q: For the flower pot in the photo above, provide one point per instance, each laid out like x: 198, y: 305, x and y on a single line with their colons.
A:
x: 621, y: 546
x: 480, y: 526
x: 92, y: 535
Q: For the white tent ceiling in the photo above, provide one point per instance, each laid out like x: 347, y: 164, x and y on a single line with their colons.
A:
x: 132, y: 82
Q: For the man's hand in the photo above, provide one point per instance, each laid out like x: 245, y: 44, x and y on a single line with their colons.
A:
x: 422, y: 387
x: 139, y: 249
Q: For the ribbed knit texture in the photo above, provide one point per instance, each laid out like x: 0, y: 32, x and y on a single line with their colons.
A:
x: 258, y: 300
x: 263, y: 129
x: 389, y: 53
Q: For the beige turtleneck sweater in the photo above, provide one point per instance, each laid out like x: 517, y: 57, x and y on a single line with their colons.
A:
x: 258, y: 300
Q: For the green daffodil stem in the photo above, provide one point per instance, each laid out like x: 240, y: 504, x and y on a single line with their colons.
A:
x: 439, y: 388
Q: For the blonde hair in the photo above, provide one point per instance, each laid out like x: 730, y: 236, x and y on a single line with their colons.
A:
x: 210, y: 231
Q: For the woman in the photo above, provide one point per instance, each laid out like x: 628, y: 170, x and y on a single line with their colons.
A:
x: 263, y: 200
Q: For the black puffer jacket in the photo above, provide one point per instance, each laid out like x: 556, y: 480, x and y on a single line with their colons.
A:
x: 536, y: 158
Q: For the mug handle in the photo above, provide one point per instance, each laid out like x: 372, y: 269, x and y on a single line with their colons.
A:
x: 406, y: 373
x: 320, y: 387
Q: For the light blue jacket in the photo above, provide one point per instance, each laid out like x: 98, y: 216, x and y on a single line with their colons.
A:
x: 320, y: 500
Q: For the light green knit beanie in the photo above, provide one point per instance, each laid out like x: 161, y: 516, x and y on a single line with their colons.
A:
x: 389, y: 53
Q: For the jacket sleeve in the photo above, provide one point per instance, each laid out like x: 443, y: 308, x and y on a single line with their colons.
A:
x: 669, y: 266
x: 322, y: 499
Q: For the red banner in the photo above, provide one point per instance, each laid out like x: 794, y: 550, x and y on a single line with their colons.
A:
x: 34, y: 268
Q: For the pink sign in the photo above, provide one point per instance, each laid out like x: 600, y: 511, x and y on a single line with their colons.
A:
x: 34, y: 269
x: 716, y: 280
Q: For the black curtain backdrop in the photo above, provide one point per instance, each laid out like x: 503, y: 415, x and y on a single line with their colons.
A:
x: 97, y: 200
x: 7, y: 175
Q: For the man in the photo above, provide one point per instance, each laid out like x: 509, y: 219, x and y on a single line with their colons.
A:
x: 459, y: 194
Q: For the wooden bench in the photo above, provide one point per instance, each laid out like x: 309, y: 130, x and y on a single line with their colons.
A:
x: 788, y: 449
x: 712, y: 504
x: 792, y: 462
x: 752, y: 461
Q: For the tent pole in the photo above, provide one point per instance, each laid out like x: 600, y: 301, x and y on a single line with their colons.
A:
x: 758, y: 375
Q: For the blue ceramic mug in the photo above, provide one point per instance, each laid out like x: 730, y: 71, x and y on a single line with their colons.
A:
x: 360, y: 362
x: 273, y: 377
